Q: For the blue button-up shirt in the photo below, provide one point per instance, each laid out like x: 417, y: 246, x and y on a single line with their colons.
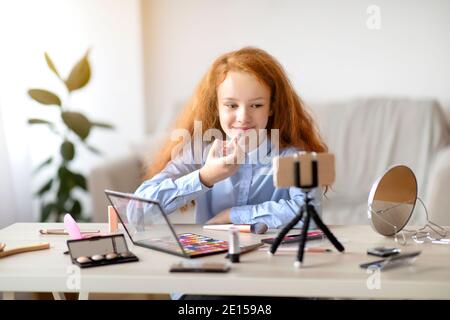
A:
x: 250, y: 193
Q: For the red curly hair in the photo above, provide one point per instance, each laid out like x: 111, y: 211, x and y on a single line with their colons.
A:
x: 296, y: 126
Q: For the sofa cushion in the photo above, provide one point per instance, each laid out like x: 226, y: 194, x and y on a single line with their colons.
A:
x: 370, y: 135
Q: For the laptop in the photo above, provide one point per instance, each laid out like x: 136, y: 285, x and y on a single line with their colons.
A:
x: 148, y: 226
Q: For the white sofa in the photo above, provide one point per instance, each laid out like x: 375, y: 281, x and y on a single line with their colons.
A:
x: 366, y: 135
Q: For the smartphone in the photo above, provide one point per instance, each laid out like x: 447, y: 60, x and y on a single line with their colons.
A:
x: 286, y: 175
x: 200, y: 266
x: 383, y: 251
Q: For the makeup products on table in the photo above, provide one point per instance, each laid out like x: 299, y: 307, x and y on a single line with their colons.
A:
x: 256, y: 228
x: 83, y: 259
x: 317, y: 250
x: 65, y: 232
x: 100, y: 251
x: 111, y: 256
x: 293, y: 238
x: 441, y: 241
x: 246, y: 249
x: 233, y: 245
x: 74, y: 230
x: 98, y: 257
x: 72, y: 227
x: 290, y: 242
x: 383, y: 251
x: 113, y: 221
x: 397, y: 260
x: 199, y: 245
x: 126, y: 254
x: 294, y: 248
x: 28, y: 248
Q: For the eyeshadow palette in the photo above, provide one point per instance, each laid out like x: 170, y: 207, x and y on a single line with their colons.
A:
x: 199, y: 245
x: 292, y: 238
x: 100, y: 251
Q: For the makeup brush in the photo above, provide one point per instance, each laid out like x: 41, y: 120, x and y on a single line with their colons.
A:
x: 257, y: 228
x: 32, y: 247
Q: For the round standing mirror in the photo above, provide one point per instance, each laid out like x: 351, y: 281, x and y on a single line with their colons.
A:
x: 392, y: 200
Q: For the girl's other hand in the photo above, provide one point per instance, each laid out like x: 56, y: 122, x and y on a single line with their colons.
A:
x: 223, y: 161
x: 221, y: 218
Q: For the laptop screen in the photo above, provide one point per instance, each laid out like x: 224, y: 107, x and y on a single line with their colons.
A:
x: 145, y: 222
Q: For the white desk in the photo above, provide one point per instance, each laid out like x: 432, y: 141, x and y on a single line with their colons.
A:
x: 323, y: 274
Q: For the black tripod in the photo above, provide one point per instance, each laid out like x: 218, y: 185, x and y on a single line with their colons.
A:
x: 310, y: 213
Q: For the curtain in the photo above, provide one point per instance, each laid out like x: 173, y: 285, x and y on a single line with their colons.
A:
x: 7, y: 204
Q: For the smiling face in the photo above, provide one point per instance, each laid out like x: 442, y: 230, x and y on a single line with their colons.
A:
x: 244, y: 105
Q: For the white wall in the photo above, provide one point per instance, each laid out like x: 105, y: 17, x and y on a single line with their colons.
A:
x: 65, y: 29
x: 7, y: 205
x: 325, y: 46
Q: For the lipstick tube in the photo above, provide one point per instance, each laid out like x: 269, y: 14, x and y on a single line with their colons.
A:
x: 234, y: 249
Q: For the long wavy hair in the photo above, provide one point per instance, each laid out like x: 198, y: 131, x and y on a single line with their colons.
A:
x: 289, y: 115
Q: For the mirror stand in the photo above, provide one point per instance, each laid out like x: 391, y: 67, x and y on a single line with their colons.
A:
x: 419, y: 235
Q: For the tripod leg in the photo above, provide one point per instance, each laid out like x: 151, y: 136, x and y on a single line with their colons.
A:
x: 285, y: 230
x: 301, y: 245
x: 325, y: 230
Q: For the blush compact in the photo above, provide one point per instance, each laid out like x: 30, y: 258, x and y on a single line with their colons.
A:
x: 100, y: 251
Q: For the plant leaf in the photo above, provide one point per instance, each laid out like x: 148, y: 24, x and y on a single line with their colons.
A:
x: 76, y: 208
x: 80, y: 181
x: 46, y: 210
x: 62, y: 199
x: 61, y: 205
x: 39, y: 121
x: 102, y: 125
x: 66, y: 203
x: 67, y: 150
x: 51, y: 65
x: 66, y: 182
x: 51, y: 125
x: 44, y: 97
x: 77, y: 122
x: 94, y: 150
x: 63, y: 194
x: 80, y: 74
x: 45, y: 188
x: 42, y: 165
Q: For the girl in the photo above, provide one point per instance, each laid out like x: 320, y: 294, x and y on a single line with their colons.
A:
x: 244, y: 100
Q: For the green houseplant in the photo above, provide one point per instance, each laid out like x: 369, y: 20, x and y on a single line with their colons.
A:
x: 57, y: 194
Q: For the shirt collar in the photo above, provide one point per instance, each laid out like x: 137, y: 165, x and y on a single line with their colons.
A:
x: 262, y: 154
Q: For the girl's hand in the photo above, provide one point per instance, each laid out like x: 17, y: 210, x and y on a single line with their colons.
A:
x: 222, y: 162
x: 221, y: 218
